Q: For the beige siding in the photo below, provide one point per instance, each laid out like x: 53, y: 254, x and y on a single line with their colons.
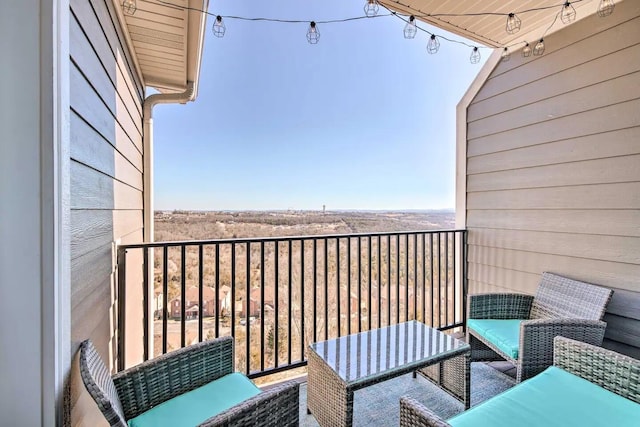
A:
x: 106, y: 168
x: 553, y: 161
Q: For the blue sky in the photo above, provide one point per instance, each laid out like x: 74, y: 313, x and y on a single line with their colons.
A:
x: 362, y: 120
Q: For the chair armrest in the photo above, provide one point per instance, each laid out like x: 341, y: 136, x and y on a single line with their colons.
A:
x: 608, y: 369
x: 499, y: 306
x: 278, y: 406
x: 150, y: 383
x: 536, y: 341
x: 415, y: 414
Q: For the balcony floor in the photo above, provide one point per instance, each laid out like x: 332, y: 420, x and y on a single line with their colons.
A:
x: 378, y: 405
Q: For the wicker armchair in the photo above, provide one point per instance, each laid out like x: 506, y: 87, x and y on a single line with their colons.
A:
x: 561, y: 306
x: 610, y: 370
x: 136, y: 390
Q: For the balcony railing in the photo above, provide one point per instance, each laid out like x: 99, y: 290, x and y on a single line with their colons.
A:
x: 277, y: 295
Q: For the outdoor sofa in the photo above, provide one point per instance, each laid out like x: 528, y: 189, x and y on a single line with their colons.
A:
x: 520, y: 328
x: 193, y: 386
x: 587, y: 386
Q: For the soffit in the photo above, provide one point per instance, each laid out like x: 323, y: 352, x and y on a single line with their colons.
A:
x: 489, y: 30
x: 167, y: 37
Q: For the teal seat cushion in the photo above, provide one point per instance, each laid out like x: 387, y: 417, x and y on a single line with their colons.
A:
x: 192, y: 408
x: 505, y: 334
x: 553, y: 398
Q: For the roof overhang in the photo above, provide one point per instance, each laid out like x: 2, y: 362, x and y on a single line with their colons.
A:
x: 489, y: 29
x: 166, y: 38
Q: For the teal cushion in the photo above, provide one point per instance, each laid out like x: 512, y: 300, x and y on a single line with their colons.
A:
x: 505, y: 334
x: 192, y: 408
x: 553, y: 398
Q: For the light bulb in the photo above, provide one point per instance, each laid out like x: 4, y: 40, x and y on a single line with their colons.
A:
x: 506, y: 55
x: 539, y: 49
x: 218, y: 27
x: 129, y: 6
x: 313, y: 35
x: 526, y: 51
x: 371, y: 8
x: 433, y: 45
x: 475, y: 55
x: 410, y: 29
x: 568, y: 13
x: 605, y: 8
x: 513, y: 23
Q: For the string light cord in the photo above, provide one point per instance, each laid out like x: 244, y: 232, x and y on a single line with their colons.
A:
x: 406, y: 19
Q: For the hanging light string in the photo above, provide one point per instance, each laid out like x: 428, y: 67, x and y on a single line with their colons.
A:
x: 567, y: 14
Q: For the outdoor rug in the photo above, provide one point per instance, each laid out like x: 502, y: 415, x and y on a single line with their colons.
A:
x: 379, y: 405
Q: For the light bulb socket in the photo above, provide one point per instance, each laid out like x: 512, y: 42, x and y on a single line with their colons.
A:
x: 433, y: 45
x: 568, y: 13
x: 513, y: 23
x: 475, y: 55
x: 506, y: 55
x: 410, y: 29
x: 218, y: 27
x: 313, y: 35
x: 605, y: 8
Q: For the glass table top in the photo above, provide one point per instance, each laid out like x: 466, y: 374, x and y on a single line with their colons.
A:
x: 373, y: 353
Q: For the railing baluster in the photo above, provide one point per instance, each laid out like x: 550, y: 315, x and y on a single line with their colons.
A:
x: 446, y: 278
x: 201, y: 301
x: 359, y: 287
x: 406, y: 277
x: 233, y: 289
x: 165, y: 298
x: 338, y: 287
x: 145, y: 303
x: 276, y: 313
x: 439, y: 281
x: 431, y: 296
x: 379, y: 281
x: 302, y: 301
x: 315, y: 290
x: 453, y: 271
x: 397, y: 278
x: 183, y: 293
x: 326, y: 290
x: 218, y: 308
x: 389, y: 280
x: 247, y: 314
x: 415, y: 276
x: 369, y: 311
x: 348, y: 285
x: 424, y: 278
x: 262, y: 349
x: 290, y: 301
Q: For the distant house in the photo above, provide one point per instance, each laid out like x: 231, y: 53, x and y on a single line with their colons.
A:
x: 192, y: 302
x: 254, y: 302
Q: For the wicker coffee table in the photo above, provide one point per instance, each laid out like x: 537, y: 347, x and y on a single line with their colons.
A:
x: 339, y: 367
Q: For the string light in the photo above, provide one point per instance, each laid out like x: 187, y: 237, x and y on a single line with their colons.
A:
x: 129, y: 6
x: 218, y: 27
x: 433, y: 45
x: 506, y: 55
x: 605, y: 8
x: 539, y: 48
x: 410, y: 29
x: 568, y: 14
x: 475, y: 55
x: 371, y: 8
x: 313, y: 35
x: 526, y: 51
x: 513, y: 23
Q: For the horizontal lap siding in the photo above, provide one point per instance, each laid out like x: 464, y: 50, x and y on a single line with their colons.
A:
x: 553, y: 164
x: 106, y: 167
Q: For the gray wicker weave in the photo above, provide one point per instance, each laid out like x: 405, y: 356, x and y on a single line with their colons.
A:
x: 339, y: 367
x: 562, y: 306
x: 136, y: 390
x: 608, y: 369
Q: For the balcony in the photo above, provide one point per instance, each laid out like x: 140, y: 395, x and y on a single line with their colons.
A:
x: 275, y: 296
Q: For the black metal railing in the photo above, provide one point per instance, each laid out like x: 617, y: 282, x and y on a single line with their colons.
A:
x: 277, y: 295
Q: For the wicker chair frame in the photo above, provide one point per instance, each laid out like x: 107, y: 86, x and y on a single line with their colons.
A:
x: 615, y: 372
x: 561, y: 306
x: 129, y: 393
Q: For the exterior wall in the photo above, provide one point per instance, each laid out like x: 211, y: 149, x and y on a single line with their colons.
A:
x: 106, y: 164
x: 553, y: 161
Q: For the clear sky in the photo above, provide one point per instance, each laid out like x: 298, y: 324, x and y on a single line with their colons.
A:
x: 362, y: 120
